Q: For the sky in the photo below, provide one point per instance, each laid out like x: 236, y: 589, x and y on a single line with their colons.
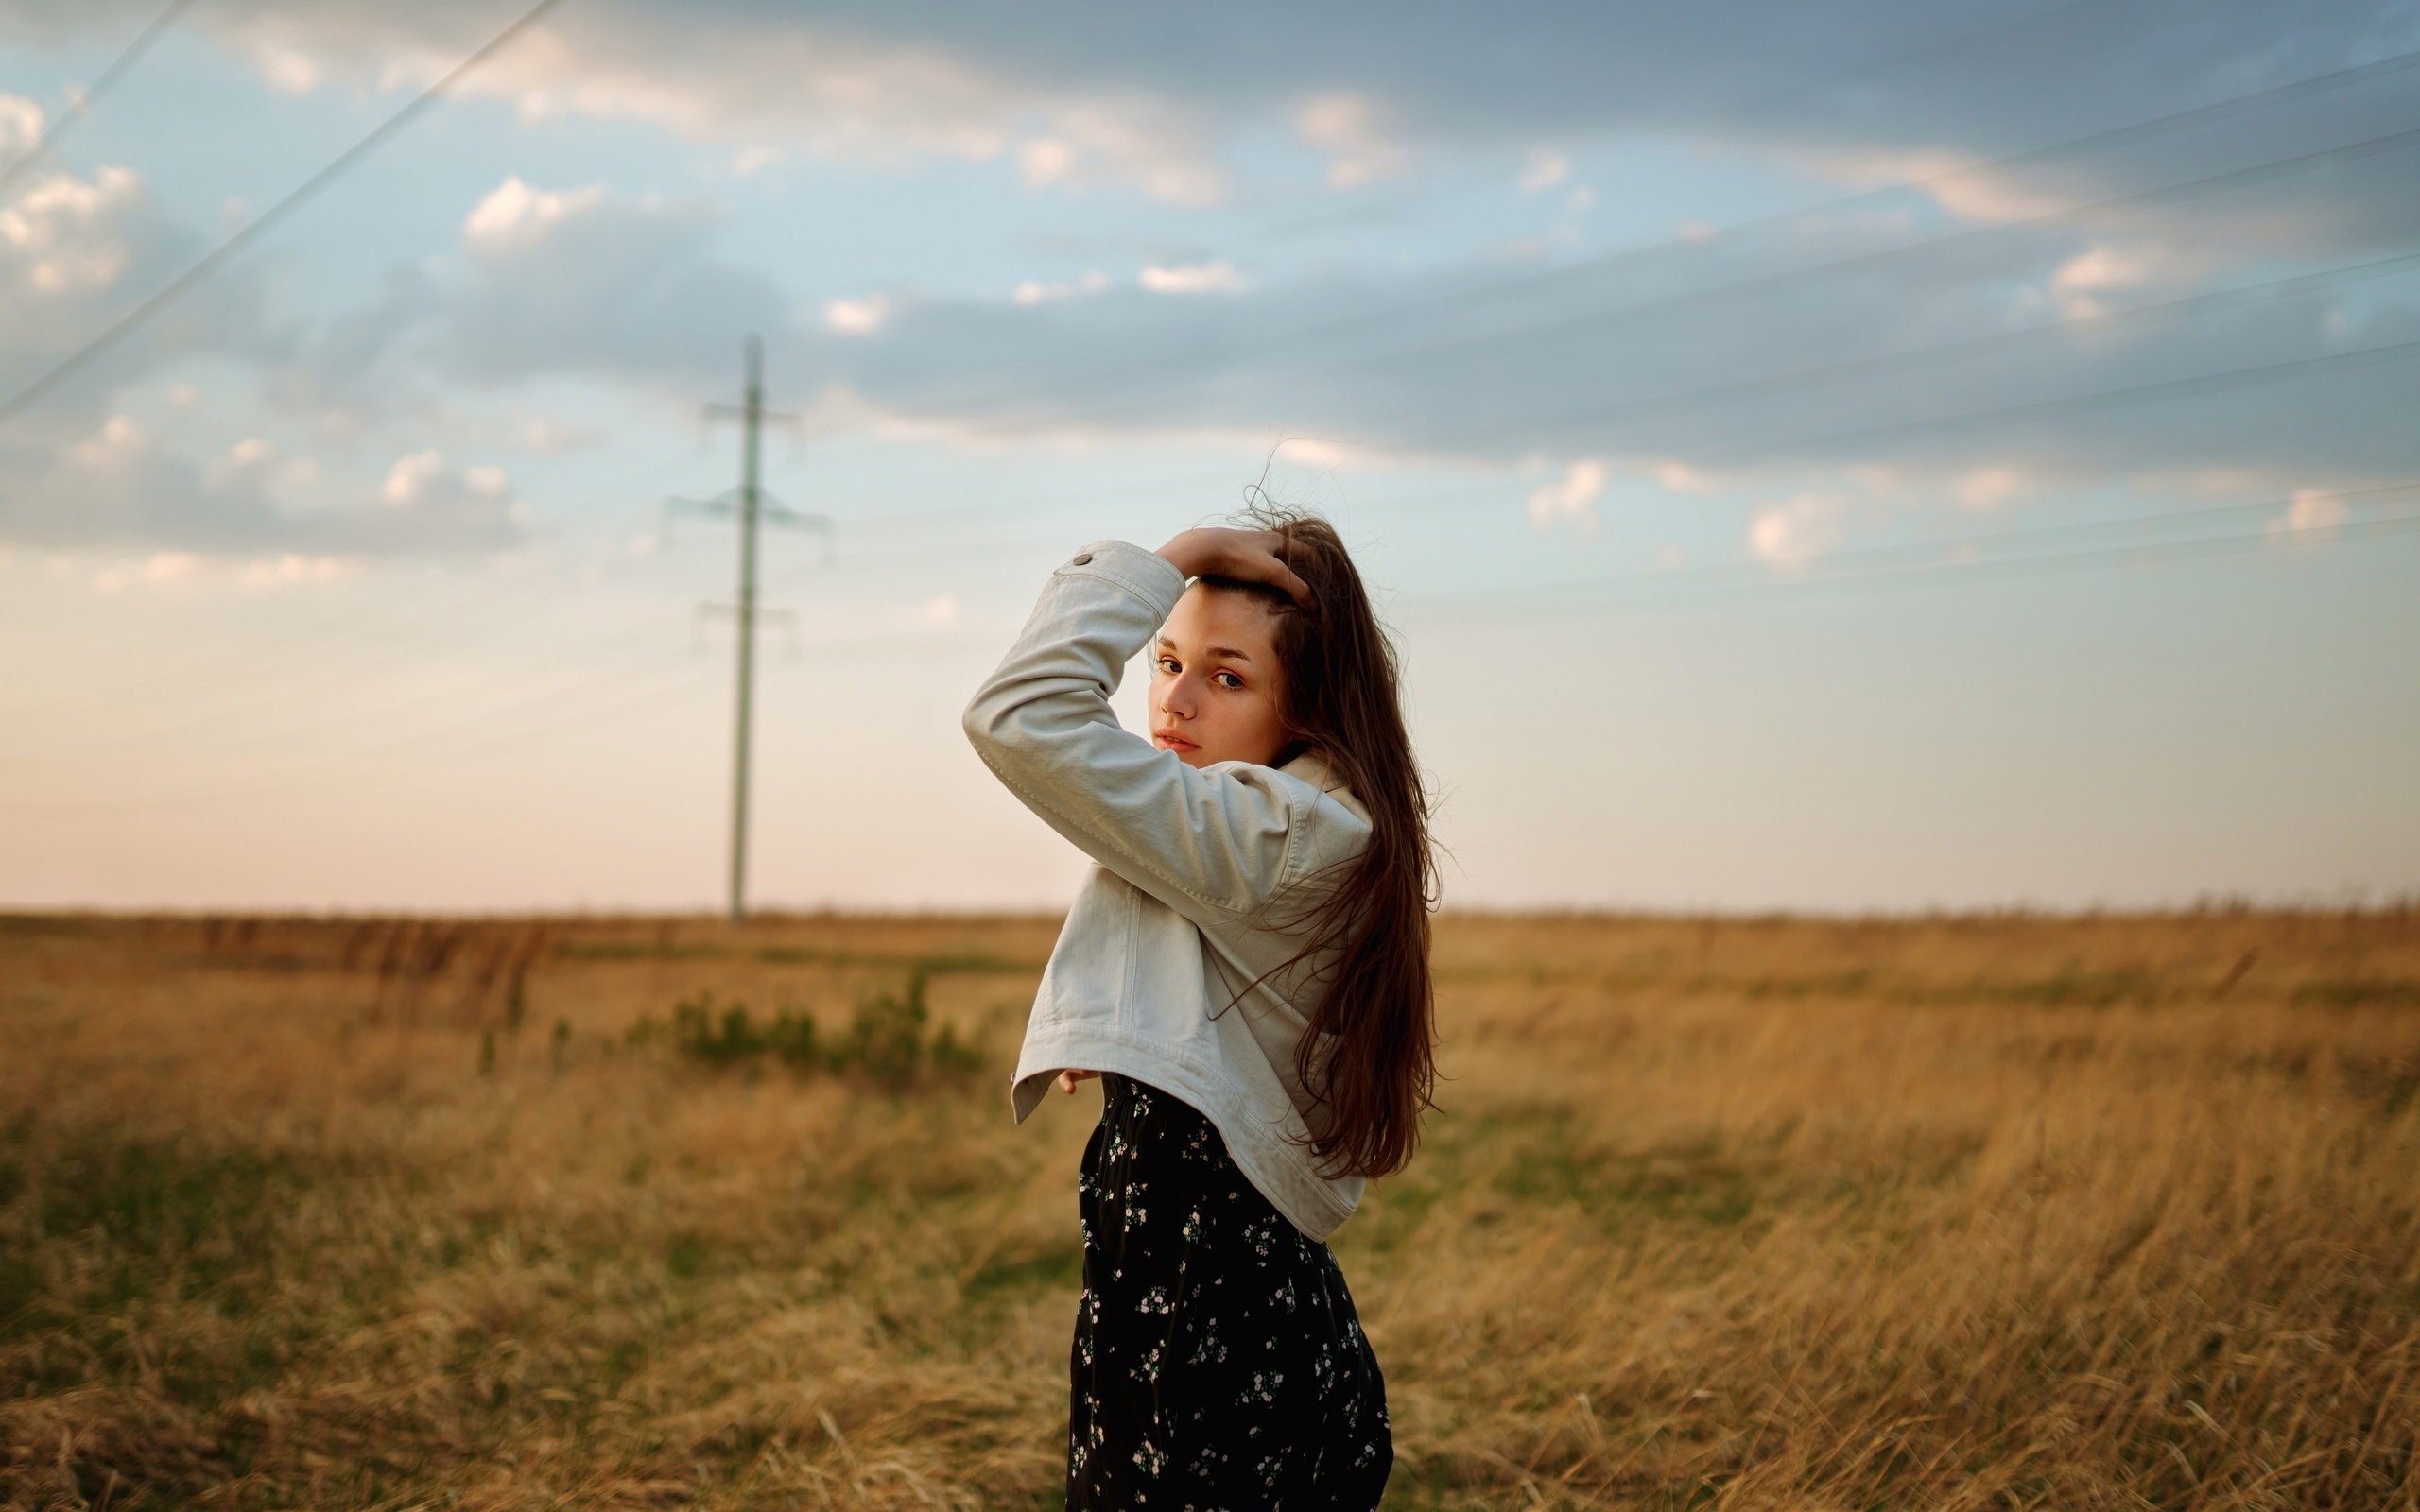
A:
x: 1872, y: 455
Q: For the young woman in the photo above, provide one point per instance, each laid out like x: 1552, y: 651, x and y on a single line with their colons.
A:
x: 1247, y: 972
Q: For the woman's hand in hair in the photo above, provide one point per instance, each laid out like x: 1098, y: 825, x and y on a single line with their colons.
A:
x: 1246, y: 556
x: 1068, y: 1078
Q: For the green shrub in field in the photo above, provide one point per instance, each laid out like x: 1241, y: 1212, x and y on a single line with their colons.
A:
x: 698, y: 1031
x: 886, y: 1039
x: 791, y: 1036
x: 953, y: 1057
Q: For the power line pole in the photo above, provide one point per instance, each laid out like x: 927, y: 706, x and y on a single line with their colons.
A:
x: 749, y: 505
x: 753, y: 421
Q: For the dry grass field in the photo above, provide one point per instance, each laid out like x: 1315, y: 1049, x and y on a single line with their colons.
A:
x: 2005, y: 1211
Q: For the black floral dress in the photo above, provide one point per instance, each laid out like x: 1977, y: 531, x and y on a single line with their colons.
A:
x: 1219, y: 1365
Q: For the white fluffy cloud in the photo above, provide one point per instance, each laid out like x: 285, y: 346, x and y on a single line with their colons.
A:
x: 409, y: 476
x: 1069, y: 94
x: 75, y: 247
x: 1963, y: 183
x: 2110, y: 274
x: 438, y: 500
x: 1572, y: 497
x: 857, y: 317
x: 1350, y: 130
x: 1708, y: 365
x: 765, y: 85
x: 513, y: 216
x: 255, y: 466
x: 66, y: 236
x: 1793, y: 533
x: 586, y: 279
x: 1191, y: 278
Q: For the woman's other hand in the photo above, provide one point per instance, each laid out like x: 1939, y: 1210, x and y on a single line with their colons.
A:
x: 1068, y: 1078
x: 1246, y: 556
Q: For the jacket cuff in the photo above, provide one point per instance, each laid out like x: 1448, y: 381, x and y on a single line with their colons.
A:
x: 1146, y: 574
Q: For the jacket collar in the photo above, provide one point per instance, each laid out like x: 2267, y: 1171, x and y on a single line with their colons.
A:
x: 1307, y: 767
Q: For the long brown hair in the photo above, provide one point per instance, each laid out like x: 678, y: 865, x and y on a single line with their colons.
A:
x: 1369, y: 1059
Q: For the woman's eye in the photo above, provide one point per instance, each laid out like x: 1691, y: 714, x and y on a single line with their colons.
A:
x: 1167, y: 663
x: 1227, y: 679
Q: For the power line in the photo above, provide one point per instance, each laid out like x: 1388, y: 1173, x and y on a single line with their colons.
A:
x: 2246, y: 177
x: 1746, y: 106
x: 226, y: 251
x: 2155, y: 391
x: 2125, y: 396
x: 81, y: 104
x: 483, y: 729
x: 294, y: 699
x: 1880, y: 567
x: 2280, y: 371
x: 1886, y: 565
x: 1385, y: 317
x: 303, y: 641
x: 2186, y: 307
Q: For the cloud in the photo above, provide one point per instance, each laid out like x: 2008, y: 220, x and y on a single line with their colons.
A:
x: 176, y: 569
x: 538, y: 435
x: 1963, y: 183
x: 409, y: 476
x: 20, y: 126
x: 255, y: 465
x: 114, y: 487
x: 513, y: 216
x: 68, y: 244
x: 592, y: 282
x: 2084, y: 284
x: 1573, y: 497
x: 1071, y: 94
x: 74, y: 251
x: 2312, y: 519
x: 856, y: 318
x: 1347, y: 126
x: 1191, y: 278
x: 1988, y: 488
x: 1031, y: 293
x: 1755, y: 360
x: 58, y: 231
x: 1789, y: 535
x: 552, y: 282
x: 1735, y: 368
x: 293, y: 567
x: 1547, y: 167
x: 857, y: 87
x: 428, y: 500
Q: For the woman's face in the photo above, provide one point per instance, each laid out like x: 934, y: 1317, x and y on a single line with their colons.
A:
x: 1215, y: 685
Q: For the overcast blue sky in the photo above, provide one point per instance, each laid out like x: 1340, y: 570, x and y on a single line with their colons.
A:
x: 1858, y: 456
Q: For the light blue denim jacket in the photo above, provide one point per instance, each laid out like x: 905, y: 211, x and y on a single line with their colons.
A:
x: 1199, y: 875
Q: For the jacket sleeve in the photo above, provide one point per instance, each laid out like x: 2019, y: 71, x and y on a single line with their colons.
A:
x: 1211, y: 843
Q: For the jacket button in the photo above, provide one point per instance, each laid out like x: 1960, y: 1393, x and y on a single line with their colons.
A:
x: 1082, y: 556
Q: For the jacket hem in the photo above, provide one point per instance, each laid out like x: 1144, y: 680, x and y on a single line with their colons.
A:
x: 1268, y: 1160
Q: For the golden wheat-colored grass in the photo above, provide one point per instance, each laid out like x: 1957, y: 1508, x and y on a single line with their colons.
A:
x: 2014, y: 1211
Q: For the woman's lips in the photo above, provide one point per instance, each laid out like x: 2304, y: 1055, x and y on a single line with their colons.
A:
x: 1170, y: 740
